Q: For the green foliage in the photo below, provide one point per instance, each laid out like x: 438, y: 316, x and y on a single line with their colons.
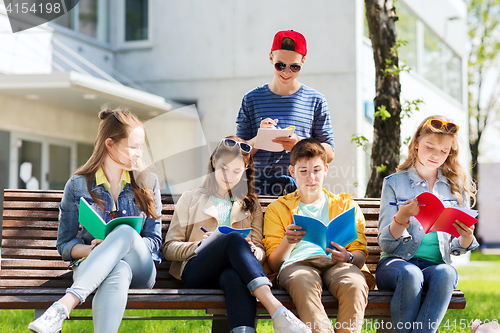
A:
x: 390, y: 68
x: 409, y: 107
x: 479, y: 281
x: 14, y: 321
x: 381, y: 168
x: 393, y: 69
x: 382, y: 113
x: 407, y: 141
x: 484, y: 30
x: 360, y: 141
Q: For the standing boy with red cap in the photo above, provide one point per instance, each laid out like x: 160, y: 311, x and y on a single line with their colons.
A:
x: 284, y: 102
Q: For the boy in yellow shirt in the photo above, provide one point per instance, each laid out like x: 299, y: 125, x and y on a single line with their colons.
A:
x: 303, y: 268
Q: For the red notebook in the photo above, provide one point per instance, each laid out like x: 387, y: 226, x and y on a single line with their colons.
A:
x: 434, y: 217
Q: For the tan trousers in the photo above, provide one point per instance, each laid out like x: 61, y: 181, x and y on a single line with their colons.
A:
x: 304, y: 280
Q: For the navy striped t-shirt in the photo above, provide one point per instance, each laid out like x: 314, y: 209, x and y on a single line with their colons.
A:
x: 306, y: 109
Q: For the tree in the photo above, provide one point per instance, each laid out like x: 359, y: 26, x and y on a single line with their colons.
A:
x: 484, y: 34
x: 381, y: 16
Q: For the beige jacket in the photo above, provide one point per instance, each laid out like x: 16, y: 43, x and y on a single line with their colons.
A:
x: 196, y: 209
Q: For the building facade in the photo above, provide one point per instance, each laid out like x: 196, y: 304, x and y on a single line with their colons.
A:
x: 157, y: 55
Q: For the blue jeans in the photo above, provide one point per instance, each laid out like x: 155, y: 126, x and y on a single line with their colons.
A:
x: 229, y: 264
x: 120, y: 262
x: 408, y: 279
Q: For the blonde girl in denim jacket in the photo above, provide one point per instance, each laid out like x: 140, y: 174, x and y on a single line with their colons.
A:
x: 413, y: 262
x: 125, y: 258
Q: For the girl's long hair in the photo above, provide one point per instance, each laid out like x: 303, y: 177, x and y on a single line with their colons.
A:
x: 244, y: 190
x: 115, y: 124
x: 452, y: 170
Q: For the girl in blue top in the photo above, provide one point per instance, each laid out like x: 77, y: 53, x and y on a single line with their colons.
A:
x: 124, y: 259
x: 413, y: 261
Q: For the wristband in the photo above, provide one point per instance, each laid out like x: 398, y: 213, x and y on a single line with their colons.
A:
x: 401, y: 224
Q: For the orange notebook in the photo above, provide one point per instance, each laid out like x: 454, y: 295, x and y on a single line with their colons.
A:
x: 433, y: 216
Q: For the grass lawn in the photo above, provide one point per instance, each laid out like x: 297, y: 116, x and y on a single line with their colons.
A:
x: 479, y: 281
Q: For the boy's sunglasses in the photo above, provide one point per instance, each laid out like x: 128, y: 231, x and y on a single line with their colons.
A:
x: 230, y: 143
x: 438, y: 124
x: 280, y: 66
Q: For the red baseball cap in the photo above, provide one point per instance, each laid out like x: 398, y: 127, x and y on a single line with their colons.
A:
x: 298, y: 39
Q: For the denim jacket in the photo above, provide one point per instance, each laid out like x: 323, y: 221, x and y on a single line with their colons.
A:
x: 76, y: 187
x: 403, y: 186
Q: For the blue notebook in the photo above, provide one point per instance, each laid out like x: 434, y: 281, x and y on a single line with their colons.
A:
x: 219, y: 232
x: 341, y: 230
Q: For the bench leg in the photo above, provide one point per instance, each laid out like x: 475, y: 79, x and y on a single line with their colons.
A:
x: 39, y: 312
x: 220, y: 324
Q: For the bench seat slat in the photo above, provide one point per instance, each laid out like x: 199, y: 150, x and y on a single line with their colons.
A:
x: 191, y: 299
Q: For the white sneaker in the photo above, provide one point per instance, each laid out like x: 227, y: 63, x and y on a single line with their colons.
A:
x: 51, y: 320
x: 288, y: 323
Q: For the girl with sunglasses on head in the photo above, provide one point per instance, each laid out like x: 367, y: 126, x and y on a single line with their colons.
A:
x: 124, y: 259
x: 231, y: 263
x: 412, y: 261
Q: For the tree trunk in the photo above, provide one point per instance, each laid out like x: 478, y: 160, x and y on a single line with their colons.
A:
x: 381, y: 16
x: 474, y: 150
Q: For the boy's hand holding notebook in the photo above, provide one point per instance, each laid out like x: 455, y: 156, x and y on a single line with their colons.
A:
x: 265, y: 137
x: 341, y: 229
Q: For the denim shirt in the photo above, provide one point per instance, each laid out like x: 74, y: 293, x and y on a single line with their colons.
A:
x: 403, y: 186
x: 76, y: 187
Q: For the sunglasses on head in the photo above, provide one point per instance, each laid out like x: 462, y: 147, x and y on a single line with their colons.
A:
x: 231, y: 143
x: 280, y: 66
x: 438, y: 124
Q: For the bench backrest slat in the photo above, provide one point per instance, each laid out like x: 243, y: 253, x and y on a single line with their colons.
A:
x: 30, y: 259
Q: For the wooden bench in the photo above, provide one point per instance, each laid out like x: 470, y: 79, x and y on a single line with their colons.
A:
x: 33, y: 276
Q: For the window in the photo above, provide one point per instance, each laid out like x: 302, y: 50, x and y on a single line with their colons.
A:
x: 30, y: 164
x: 432, y: 60
x: 453, y: 74
x: 427, y: 54
x: 39, y: 162
x: 59, y: 166
x: 89, y: 17
x: 136, y: 20
x: 84, y: 151
x: 406, y: 27
x: 442, y: 66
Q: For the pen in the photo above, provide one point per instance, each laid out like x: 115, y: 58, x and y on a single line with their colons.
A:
x: 401, y: 204
x: 203, y: 229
